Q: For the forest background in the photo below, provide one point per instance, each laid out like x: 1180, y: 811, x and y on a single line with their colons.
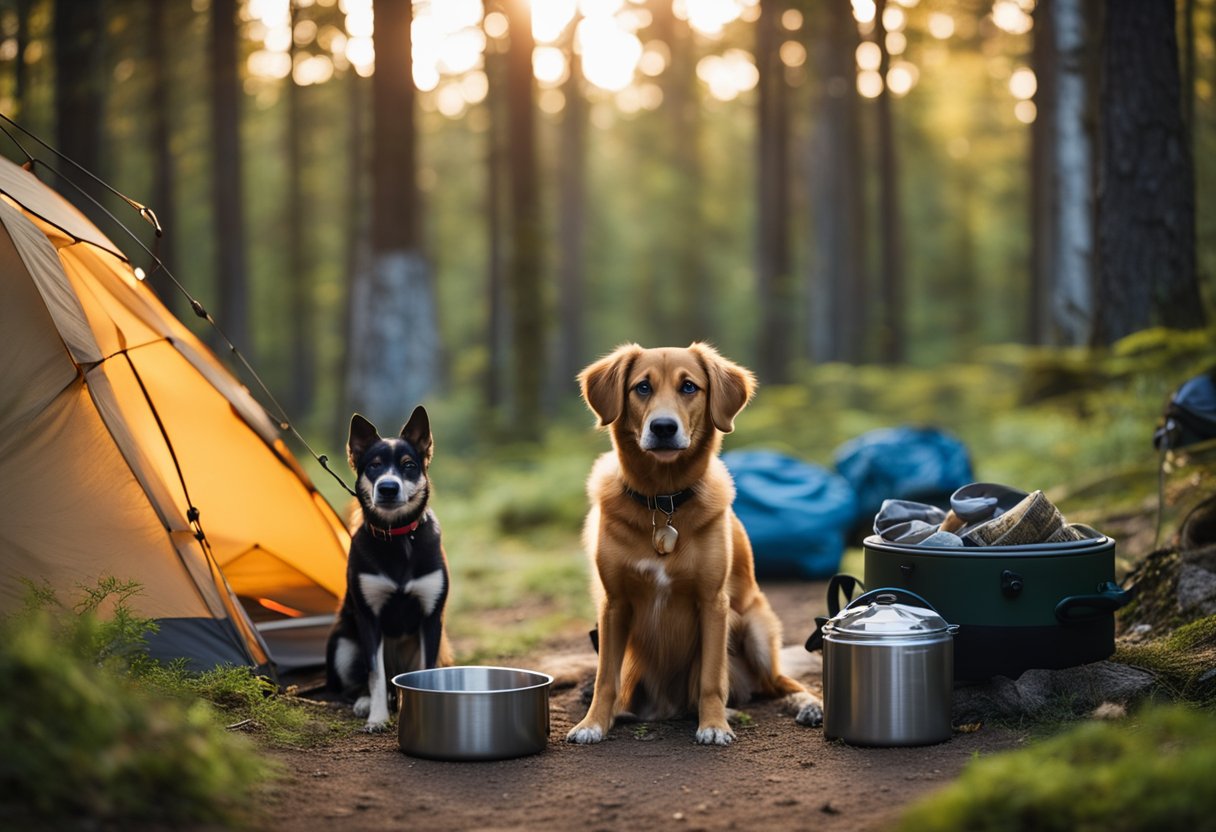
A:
x: 462, y: 203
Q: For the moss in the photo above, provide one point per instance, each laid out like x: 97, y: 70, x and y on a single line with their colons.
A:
x: 1183, y: 660
x: 1152, y: 771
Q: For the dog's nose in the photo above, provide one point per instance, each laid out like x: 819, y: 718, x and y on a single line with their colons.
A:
x: 664, y: 428
x: 388, y: 490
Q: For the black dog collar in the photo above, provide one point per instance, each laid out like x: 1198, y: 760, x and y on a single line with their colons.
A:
x: 666, y: 503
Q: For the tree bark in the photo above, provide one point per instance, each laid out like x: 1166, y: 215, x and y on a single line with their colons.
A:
x: 838, y: 288
x: 891, y: 256
x: 161, y: 27
x: 773, y: 255
x: 302, y: 329
x: 1146, y: 202
x: 79, y: 30
x: 226, y: 197
x: 1043, y: 205
x: 1072, y: 169
x: 394, y: 341
x: 571, y: 350
x: 527, y: 301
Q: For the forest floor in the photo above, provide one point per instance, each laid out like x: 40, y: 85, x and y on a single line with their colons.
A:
x: 776, y: 775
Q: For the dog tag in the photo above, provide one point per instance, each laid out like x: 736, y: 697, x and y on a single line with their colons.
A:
x: 665, y: 539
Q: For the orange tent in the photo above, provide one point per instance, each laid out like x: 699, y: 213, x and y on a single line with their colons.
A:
x: 128, y: 450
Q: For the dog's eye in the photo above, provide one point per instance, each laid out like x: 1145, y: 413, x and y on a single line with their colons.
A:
x: 642, y: 388
x: 375, y: 465
x: 689, y: 388
x: 408, y: 464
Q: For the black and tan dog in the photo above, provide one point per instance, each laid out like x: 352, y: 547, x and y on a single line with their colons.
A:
x: 391, y: 620
x: 683, y: 626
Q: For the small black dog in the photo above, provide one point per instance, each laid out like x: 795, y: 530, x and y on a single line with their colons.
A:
x: 391, y: 620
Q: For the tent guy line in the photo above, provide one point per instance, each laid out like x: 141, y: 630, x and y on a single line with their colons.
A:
x: 284, y: 421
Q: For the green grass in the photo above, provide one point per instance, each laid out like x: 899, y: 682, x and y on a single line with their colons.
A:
x: 1151, y: 771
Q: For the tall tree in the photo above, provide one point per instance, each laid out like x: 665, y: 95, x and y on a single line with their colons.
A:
x: 1043, y: 214
x: 1070, y: 152
x: 774, y: 264
x: 524, y: 283
x: 891, y: 338
x: 302, y: 329
x: 21, y: 72
x: 79, y: 29
x: 1146, y: 194
x: 571, y: 349
x: 682, y: 301
x: 227, y: 209
x: 497, y: 372
x: 161, y: 28
x: 394, y: 348
x: 837, y: 293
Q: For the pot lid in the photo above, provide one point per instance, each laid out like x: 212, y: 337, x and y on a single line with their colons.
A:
x: 885, y: 617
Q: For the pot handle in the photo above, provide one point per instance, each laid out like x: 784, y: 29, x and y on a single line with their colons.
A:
x: 840, y: 586
x: 1077, y: 609
x: 897, y: 591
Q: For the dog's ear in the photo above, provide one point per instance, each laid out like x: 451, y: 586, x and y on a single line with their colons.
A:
x: 730, y: 386
x: 603, y: 383
x: 417, y: 431
x: 363, y: 435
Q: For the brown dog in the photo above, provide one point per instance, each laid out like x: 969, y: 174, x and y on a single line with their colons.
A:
x: 682, y: 624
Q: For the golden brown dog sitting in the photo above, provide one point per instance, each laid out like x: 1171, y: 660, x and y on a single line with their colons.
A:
x: 683, y: 626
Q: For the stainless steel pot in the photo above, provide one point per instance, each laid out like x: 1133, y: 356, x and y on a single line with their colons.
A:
x: 888, y: 671
x: 472, y: 713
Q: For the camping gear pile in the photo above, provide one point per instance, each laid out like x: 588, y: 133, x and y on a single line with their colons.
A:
x: 1040, y: 595
x: 473, y: 712
x: 127, y: 450
x: 799, y: 516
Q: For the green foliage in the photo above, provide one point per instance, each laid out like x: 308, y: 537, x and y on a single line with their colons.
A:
x: 1151, y: 772
x: 80, y: 738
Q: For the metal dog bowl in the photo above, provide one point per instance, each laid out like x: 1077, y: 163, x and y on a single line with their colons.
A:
x: 473, y: 713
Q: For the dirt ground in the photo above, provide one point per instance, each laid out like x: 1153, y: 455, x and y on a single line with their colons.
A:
x: 775, y: 776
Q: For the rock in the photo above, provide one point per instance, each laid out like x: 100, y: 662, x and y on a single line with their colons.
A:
x: 1196, y: 590
x: 1035, y: 692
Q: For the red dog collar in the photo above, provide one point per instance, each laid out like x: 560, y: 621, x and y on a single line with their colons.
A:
x: 395, y: 531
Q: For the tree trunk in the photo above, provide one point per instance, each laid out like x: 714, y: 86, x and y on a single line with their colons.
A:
x: 891, y: 257
x: 1043, y: 206
x: 302, y: 331
x: 838, y: 293
x: 161, y: 26
x: 356, y: 235
x: 395, y: 337
x: 497, y: 372
x: 524, y: 283
x: 571, y: 350
x: 1146, y: 202
x: 21, y: 73
x: 227, y: 203
x: 1072, y: 294
x: 79, y: 31
x: 773, y: 256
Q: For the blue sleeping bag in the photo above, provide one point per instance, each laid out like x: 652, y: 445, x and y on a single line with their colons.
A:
x: 796, y: 514
x: 904, y: 463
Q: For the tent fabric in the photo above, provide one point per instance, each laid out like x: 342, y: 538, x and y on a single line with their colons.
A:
x: 116, y: 423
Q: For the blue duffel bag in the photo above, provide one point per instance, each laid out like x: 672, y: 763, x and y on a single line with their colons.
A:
x: 795, y: 513
x: 905, y: 463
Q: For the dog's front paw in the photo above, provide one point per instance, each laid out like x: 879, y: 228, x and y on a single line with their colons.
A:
x: 376, y: 726
x: 810, y: 714
x: 363, y: 706
x: 585, y: 733
x: 715, y: 735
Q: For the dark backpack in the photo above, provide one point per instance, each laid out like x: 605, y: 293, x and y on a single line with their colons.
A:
x: 1190, y: 414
